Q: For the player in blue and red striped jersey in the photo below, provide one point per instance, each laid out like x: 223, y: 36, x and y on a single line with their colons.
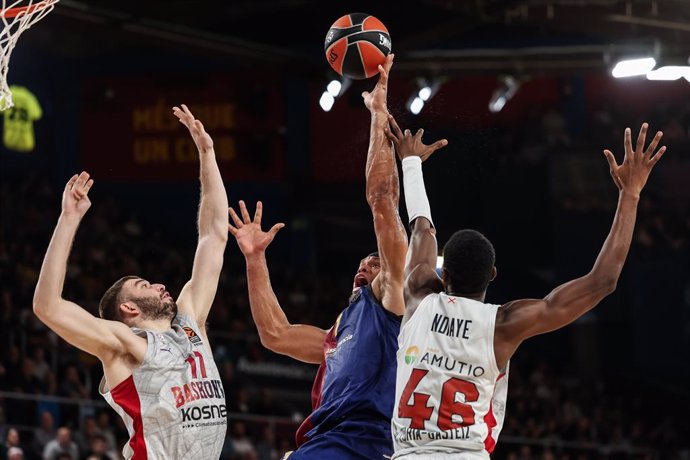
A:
x: 353, y: 393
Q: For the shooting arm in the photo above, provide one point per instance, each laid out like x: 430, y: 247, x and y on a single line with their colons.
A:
x: 299, y: 341
x: 383, y: 195
x: 198, y: 294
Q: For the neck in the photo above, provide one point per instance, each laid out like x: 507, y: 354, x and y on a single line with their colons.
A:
x: 478, y: 296
x: 158, y: 325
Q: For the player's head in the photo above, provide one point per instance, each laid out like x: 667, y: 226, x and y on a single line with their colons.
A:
x: 468, y: 263
x: 133, y: 299
x: 368, y: 269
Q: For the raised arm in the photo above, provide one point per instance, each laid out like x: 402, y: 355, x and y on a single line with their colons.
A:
x: 198, y: 294
x: 99, y: 337
x: 420, y: 266
x: 383, y: 196
x: 522, y: 319
x: 299, y: 341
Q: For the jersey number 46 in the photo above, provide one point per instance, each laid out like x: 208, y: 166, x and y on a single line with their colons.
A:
x: 419, y: 412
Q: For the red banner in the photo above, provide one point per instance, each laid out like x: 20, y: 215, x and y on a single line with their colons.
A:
x: 130, y: 133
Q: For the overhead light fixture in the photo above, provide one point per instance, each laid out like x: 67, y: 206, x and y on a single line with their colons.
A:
x: 416, y: 105
x: 326, y: 102
x: 670, y: 73
x: 334, y: 89
x: 633, y: 67
x: 426, y: 91
x: 505, y: 92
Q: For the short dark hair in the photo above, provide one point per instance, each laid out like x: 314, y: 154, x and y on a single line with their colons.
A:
x: 468, y: 258
x: 109, y: 306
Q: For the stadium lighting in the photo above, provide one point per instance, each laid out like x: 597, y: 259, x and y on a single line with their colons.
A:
x: 427, y: 89
x: 505, y: 92
x: 425, y: 93
x: 334, y: 88
x: 326, y: 102
x: 633, y: 67
x: 416, y: 105
x: 670, y: 73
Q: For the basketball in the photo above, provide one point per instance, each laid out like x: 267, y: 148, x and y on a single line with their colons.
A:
x: 356, y: 44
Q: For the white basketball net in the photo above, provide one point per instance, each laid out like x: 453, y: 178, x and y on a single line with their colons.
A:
x: 14, y: 22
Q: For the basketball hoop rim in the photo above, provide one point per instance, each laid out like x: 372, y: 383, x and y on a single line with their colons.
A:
x: 30, y: 9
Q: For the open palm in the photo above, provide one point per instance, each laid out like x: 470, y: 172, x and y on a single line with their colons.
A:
x: 250, y: 238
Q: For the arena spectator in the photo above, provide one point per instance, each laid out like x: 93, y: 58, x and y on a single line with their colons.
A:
x: 60, y: 446
x: 15, y: 453
x: 11, y: 442
x: 43, y: 434
x: 71, y: 385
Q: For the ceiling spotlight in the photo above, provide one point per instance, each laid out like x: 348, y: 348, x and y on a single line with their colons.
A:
x: 505, y: 92
x: 334, y: 88
x: 425, y: 93
x: 633, y: 67
x: 416, y: 105
x: 670, y: 73
x: 326, y: 102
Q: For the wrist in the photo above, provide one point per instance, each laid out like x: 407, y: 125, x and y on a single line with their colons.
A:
x: 70, y: 217
x: 412, y: 160
x: 255, y: 257
x: 380, y: 115
x: 629, y: 195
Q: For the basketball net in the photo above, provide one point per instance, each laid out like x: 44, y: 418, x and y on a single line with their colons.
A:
x: 16, y: 16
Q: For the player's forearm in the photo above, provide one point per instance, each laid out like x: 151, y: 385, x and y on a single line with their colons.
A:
x: 52, y: 276
x: 269, y: 318
x: 416, y: 200
x: 381, y: 171
x: 609, y: 263
x: 213, y: 207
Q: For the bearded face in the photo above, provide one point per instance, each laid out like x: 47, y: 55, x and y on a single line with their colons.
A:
x: 155, y: 308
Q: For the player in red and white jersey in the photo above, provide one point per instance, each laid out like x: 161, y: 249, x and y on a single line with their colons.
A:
x: 159, y: 373
x: 454, y: 349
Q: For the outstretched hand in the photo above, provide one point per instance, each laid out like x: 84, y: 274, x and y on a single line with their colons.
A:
x: 376, y: 101
x: 201, y: 138
x: 407, y: 145
x: 250, y: 238
x: 631, y: 175
x: 75, y: 198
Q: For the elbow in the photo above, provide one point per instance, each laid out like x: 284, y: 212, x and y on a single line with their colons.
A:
x: 382, y: 203
x: 606, y: 284
x: 271, y: 341
x: 217, y: 234
x: 41, y: 308
x: 383, y: 192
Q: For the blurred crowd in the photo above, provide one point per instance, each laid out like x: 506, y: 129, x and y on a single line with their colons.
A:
x: 552, y: 413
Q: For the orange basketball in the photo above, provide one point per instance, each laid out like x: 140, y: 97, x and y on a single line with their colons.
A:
x: 356, y: 45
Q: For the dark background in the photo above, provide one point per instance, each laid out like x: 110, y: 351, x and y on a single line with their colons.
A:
x: 531, y: 177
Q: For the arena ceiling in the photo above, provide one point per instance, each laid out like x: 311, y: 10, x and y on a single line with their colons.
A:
x: 428, y: 35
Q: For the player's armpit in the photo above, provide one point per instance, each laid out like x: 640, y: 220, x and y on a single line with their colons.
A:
x: 298, y: 341
x: 99, y: 337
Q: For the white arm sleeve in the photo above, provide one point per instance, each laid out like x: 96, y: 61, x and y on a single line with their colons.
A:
x: 416, y: 200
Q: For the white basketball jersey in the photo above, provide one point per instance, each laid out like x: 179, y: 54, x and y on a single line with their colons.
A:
x: 450, y: 395
x: 173, y: 404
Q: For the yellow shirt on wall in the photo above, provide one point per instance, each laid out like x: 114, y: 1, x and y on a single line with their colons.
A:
x: 18, y: 133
